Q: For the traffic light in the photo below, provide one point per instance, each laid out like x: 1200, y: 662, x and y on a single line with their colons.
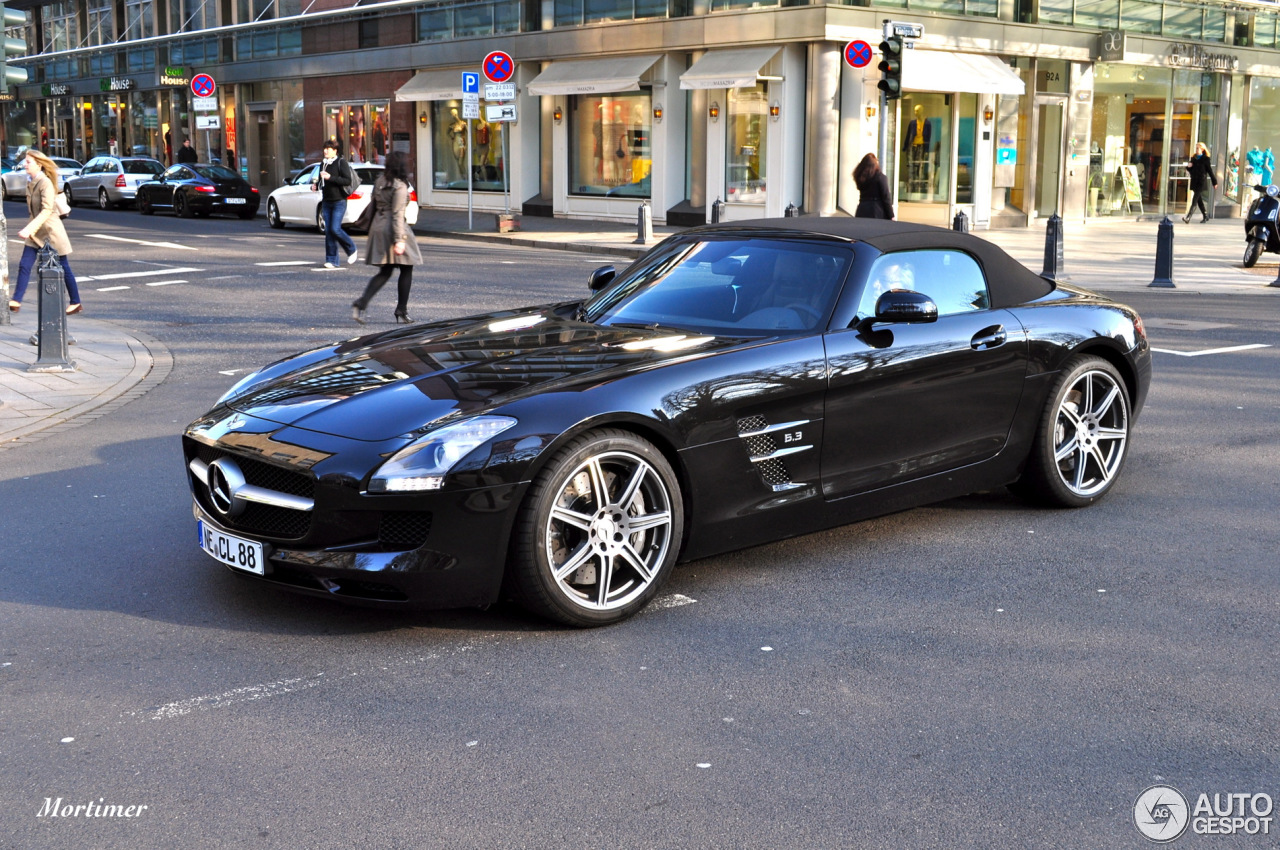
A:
x: 12, y: 47
x: 891, y: 67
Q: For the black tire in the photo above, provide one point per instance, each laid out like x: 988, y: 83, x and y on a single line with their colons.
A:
x: 273, y: 215
x: 144, y: 204
x: 319, y: 221
x: 104, y: 202
x: 1252, y: 252
x: 566, y: 537
x: 1077, y: 456
x: 180, y: 205
x: 66, y: 192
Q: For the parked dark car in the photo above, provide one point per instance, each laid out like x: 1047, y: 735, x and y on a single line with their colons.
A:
x: 198, y: 189
x: 739, y: 384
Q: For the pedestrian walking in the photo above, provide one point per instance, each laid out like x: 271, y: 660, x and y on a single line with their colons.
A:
x: 1201, y: 183
x: 187, y: 153
x: 333, y: 180
x: 391, y: 244
x: 873, y: 189
x: 43, y: 226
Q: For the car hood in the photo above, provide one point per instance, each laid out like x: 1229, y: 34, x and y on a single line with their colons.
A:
x: 380, y: 387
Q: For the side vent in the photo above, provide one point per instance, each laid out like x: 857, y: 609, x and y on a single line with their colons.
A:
x: 760, y: 440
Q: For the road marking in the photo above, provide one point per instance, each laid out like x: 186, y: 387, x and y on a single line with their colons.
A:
x: 1227, y: 350
x: 286, y: 263
x: 224, y: 277
x: 173, y: 245
x: 165, y: 282
x: 152, y: 273
x: 112, y: 288
x: 238, y: 695
x: 230, y: 372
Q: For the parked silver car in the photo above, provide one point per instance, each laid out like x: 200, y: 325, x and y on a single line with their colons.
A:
x: 13, y: 183
x: 111, y: 180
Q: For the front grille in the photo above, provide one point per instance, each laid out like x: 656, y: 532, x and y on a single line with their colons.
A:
x: 257, y: 518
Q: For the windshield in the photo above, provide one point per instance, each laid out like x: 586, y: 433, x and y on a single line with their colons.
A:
x: 729, y: 286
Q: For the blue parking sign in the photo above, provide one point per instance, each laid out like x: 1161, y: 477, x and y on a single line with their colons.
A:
x: 470, y: 82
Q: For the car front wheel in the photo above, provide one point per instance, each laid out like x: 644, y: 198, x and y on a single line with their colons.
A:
x: 273, y: 215
x: 320, y: 220
x: 144, y: 204
x: 1083, y: 436
x: 599, y: 531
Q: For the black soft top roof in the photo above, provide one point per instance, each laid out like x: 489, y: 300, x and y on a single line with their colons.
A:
x: 1011, y: 282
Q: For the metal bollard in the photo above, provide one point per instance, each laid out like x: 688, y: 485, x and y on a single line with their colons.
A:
x: 644, y: 224
x: 960, y: 222
x: 792, y: 211
x: 1164, y: 255
x: 1053, y: 260
x: 717, y: 211
x: 51, y: 285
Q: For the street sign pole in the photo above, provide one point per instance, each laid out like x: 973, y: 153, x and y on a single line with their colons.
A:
x: 470, y: 172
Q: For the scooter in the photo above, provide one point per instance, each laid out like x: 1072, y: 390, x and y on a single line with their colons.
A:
x: 1260, y: 226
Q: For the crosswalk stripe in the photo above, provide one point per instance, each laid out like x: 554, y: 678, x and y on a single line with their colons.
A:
x: 165, y: 282
x: 287, y: 263
x: 151, y: 273
x: 112, y: 288
x: 173, y: 245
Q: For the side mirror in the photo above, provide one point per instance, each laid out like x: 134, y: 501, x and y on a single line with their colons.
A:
x: 601, y: 277
x: 907, y: 306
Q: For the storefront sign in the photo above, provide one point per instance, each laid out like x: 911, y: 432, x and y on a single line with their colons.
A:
x: 1111, y: 46
x: 175, y: 76
x: 55, y: 89
x: 1188, y: 55
x: 117, y: 84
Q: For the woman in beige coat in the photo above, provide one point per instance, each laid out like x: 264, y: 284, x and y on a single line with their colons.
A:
x: 44, y: 226
x: 391, y: 244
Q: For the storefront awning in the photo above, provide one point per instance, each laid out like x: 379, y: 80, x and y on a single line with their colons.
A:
x: 727, y: 69
x: 432, y: 85
x: 934, y: 70
x: 592, y: 76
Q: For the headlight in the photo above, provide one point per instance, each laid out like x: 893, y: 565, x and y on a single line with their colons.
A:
x: 422, y: 464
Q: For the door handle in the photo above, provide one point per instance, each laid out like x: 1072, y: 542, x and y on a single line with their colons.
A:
x: 991, y: 337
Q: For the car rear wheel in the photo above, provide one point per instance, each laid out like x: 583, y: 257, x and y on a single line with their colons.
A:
x: 180, y: 205
x: 1083, y: 436
x: 273, y: 215
x: 599, y: 531
x: 1252, y: 251
x: 104, y: 202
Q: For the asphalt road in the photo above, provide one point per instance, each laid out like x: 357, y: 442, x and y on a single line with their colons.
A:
x: 973, y: 674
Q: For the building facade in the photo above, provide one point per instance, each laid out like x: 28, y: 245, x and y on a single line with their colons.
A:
x: 1012, y: 110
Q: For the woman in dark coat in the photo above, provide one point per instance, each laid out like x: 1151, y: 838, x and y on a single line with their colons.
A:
x: 873, y: 189
x: 1202, y: 181
x: 391, y: 244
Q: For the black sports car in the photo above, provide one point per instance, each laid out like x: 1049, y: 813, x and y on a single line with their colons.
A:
x: 198, y: 189
x: 738, y: 384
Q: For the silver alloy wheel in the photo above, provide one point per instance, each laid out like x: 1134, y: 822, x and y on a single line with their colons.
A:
x: 104, y: 202
x: 609, y: 531
x: 1090, y: 433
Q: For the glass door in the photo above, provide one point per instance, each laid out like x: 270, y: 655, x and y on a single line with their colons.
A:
x: 1049, y: 118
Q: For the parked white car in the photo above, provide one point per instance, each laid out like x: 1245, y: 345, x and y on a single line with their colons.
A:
x: 14, y: 180
x: 111, y: 180
x: 297, y: 203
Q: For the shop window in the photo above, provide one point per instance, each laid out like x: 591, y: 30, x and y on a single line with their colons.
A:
x: 609, y: 144
x: 449, y: 152
x: 363, y: 127
x: 924, y: 163
x: 746, y: 124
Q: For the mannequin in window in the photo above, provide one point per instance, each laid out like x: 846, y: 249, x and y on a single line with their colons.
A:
x: 915, y: 144
x: 1268, y: 166
x: 458, y: 135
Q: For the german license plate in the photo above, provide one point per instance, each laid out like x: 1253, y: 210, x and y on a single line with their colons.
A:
x: 235, y: 200
x: 233, y: 551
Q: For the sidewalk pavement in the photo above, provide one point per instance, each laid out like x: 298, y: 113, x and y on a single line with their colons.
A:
x: 116, y: 365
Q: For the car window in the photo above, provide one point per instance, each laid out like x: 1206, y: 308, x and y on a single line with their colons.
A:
x: 142, y: 166
x: 304, y: 176
x: 729, y: 286
x: 176, y: 172
x: 65, y: 163
x: 215, y: 172
x: 953, y: 279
